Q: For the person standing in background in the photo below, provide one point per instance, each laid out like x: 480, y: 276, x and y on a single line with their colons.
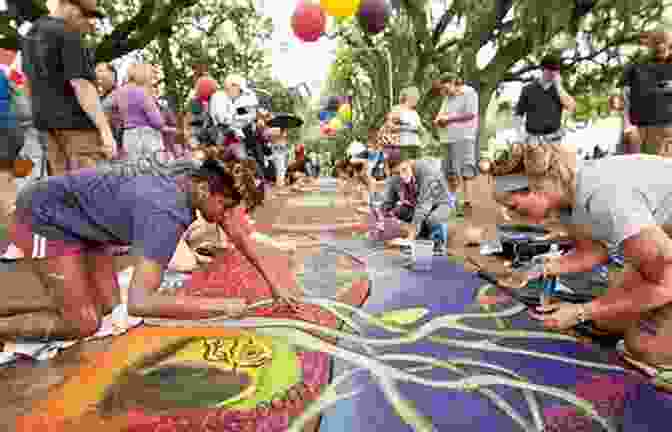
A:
x: 11, y: 141
x: 235, y: 106
x: 616, y: 111
x: 142, y: 120
x: 33, y: 149
x: 279, y: 144
x: 107, y: 79
x: 35, y: 142
x: 62, y: 79
x: 410, y: 125
x: 457, y: 121
x: 539, y: 110
x: 197, y: 116
x: 647, y: 91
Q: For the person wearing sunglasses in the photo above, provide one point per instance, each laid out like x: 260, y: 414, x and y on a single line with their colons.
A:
x: 66, y: 225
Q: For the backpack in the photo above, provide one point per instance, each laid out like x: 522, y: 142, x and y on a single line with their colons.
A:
x: 12, y: 138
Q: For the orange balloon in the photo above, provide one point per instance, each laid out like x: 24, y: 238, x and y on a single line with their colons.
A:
x: 340, y: 8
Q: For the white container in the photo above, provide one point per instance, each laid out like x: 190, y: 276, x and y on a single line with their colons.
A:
x: 424, y: 252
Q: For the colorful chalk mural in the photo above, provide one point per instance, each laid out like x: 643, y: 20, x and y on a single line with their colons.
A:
x: 372, y: 343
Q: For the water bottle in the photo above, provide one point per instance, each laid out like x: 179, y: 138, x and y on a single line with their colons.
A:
x: 376, y: 207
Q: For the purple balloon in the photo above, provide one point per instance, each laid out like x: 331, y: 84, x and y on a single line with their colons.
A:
x: 373, y: 15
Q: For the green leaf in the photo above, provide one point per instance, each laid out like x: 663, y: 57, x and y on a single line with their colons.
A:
x: 665, y: 377
x: 404, y: 316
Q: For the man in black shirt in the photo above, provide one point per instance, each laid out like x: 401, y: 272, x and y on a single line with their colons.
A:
x: 61, y: 75
x: 648, y: 96
x: 542, y: 103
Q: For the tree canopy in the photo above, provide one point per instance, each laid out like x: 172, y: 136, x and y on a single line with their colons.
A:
x: 490, y: 43
x: 226, y: 35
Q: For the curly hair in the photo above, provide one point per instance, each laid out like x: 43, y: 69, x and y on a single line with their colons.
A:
x: 245, y: 182
x: 243, y: 174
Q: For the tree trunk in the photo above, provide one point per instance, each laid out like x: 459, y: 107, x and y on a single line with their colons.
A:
x: 484, y: 98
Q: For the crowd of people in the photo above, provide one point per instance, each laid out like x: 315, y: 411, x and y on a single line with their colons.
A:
x: 98, y: 194
x: 114, y: 162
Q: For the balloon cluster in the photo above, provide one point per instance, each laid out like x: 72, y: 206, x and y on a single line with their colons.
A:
x: 335, y: 115
x: 309, y: 20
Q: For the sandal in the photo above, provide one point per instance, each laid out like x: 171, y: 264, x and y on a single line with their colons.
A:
x: 661, y: 376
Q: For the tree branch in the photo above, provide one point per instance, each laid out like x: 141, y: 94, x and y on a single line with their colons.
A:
x: 142, y: 18
x: 114, y: 46
x: 515, y: 76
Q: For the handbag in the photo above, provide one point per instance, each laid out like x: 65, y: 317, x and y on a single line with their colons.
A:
x: 23, y: 166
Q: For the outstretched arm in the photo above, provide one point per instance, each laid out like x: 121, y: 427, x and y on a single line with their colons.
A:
x: 649, y: 257
x: 245, y: 244
x: 144, y: 300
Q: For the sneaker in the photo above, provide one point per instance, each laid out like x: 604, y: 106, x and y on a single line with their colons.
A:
x: 12, y: 253
x: 407, y: 250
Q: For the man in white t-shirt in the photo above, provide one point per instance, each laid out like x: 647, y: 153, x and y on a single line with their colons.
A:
x: 603, y: 210
x: 235, y: 106
x: 410, y: 125
x: 458, y: 127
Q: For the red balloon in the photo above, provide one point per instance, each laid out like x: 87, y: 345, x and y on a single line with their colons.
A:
x: 309, y: 21
x: 205, y: 87
x: 373, y: 15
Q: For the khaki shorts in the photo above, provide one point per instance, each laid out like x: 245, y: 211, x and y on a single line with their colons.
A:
x: 656, y: 140
x: 73, y: 149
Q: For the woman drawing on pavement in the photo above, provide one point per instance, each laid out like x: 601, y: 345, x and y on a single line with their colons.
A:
x: 64, y: 226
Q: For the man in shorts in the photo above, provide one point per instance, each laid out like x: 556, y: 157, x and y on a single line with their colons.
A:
x: 64, y: 228
x: 604, y: 210
x: 648, y: 95
x: 458, y: 128
x: 539, y: 110
x: 62, y: 79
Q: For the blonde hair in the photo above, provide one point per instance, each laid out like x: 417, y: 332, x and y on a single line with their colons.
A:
x: 141, y: 74
x: 549, y: 167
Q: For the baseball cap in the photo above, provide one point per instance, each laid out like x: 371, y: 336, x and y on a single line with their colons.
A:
x: 511, y: 183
